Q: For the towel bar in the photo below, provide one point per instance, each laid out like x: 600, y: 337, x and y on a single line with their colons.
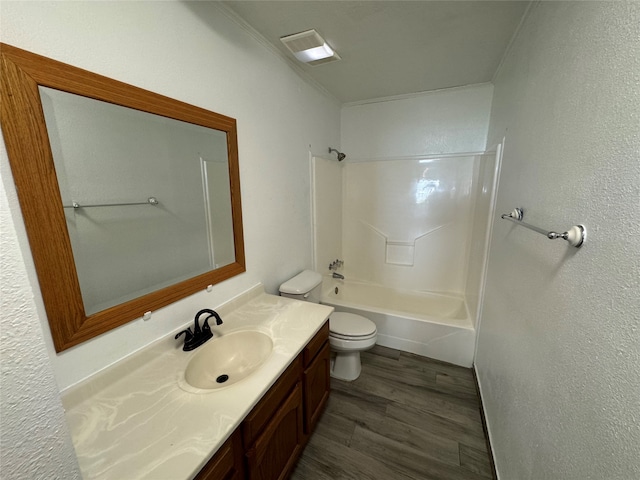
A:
x: 150, y: 201
x: 575, y: 236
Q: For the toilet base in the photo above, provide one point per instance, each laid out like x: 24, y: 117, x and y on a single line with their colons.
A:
x: 346, y: 366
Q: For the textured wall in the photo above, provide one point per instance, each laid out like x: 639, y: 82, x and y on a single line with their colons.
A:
x: 558, y: 352
x: 193, y: 52
x: 34, y: 439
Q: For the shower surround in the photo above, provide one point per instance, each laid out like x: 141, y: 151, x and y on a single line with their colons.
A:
x: 406, y: 223
x: 413, y: 235
x: 409, y: 211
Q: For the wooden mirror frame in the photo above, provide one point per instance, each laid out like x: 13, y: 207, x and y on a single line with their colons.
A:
x: 31, y: 161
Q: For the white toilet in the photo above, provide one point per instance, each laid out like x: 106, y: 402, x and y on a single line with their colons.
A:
x: 349, y: 334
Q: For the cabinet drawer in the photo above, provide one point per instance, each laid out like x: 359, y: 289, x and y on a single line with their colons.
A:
x: 266, y: 408
x: 316, y: 343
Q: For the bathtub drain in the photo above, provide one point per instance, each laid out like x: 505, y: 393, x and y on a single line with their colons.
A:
x: 336, y: 290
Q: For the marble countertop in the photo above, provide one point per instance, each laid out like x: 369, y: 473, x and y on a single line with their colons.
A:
x: 135, y: 421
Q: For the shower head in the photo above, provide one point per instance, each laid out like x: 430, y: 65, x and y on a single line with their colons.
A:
x: 341, y: 156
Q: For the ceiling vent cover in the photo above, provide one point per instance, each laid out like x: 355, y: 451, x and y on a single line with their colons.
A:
x: 309, y: 47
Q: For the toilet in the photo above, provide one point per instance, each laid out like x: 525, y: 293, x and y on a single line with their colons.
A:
x: 349, y: 334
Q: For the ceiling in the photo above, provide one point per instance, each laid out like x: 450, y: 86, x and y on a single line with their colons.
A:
x: 391, y: 48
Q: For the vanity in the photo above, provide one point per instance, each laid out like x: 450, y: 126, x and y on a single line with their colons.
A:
x: 117, y: 240
x: 140, y: 419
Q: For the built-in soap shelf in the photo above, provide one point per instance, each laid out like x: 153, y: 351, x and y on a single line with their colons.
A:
x: 401, y: 252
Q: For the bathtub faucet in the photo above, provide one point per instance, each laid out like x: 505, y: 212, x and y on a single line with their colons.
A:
x: 337, y: 275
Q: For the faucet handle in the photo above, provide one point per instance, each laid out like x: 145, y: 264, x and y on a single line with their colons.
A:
x: 335, y: 265
x: 188, y: 334
x: 206, y: 329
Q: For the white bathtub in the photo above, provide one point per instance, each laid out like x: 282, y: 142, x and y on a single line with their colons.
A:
x: 433, y: 325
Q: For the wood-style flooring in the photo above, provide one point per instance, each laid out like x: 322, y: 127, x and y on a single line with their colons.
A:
x: 405, y: 417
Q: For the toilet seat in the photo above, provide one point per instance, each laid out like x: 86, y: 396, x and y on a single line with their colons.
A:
x: 352, y: 337
x: 349, y: 326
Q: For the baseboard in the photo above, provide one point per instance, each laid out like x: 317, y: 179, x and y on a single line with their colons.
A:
x: 487, y: 440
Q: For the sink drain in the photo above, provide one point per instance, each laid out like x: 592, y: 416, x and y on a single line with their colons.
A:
x: 222, y: 378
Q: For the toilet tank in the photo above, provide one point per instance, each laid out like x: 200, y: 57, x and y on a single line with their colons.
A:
x: 306, y: 286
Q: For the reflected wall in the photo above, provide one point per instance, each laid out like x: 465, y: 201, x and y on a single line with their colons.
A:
x: 109, y: 161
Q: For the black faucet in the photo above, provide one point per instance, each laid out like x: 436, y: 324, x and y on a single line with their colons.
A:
x: 193, y: 340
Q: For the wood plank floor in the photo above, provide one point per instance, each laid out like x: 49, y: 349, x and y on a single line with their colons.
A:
x: 405, y: 417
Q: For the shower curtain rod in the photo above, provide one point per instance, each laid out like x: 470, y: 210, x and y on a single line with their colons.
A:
x: 575, y: 236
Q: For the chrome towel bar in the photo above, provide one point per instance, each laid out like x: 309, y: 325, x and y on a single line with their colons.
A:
x: 575, y: 236
x: 150, y: 201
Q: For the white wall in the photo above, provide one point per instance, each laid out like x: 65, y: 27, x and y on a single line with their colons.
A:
x: 407, y: 192
x: 190, y: 51
x: 454, y: 120
x: 327, y: 212
x: 558, y: 355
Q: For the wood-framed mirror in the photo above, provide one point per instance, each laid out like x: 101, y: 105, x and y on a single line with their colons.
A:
x: 131, y: 200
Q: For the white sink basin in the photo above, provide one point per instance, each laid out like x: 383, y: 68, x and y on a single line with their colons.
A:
x: 228, y: 359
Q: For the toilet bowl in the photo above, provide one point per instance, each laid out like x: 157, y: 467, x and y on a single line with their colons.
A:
x: 349, y: 334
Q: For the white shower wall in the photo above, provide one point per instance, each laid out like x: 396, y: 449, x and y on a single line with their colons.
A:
x: 407, y: 223
x: 416, y: 190
x: 483, y: 197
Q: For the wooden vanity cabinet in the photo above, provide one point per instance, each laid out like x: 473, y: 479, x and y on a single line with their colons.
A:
x: 272, y: 436
x: 316, y: 380
x: 273, y: 433
x: 227, y: 463
x: 276, y: 450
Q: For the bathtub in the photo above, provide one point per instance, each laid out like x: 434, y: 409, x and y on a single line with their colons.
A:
x: 433, y: 325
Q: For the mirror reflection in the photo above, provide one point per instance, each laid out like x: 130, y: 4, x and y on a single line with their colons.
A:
x: 146, y: 198
x: 130, y: 199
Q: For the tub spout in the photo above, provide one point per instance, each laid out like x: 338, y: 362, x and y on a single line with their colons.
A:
x: 337, y: 275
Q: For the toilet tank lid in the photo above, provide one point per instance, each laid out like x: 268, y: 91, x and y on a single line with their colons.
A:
x: 302, y: 283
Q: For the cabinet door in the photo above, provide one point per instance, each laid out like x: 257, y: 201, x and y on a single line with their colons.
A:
x: 316, y: 388
x: 226, y: 464
x: 275, y: 451
x: 266, y: 409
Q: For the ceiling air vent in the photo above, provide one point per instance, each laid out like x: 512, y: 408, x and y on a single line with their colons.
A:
x: 309, y: 47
